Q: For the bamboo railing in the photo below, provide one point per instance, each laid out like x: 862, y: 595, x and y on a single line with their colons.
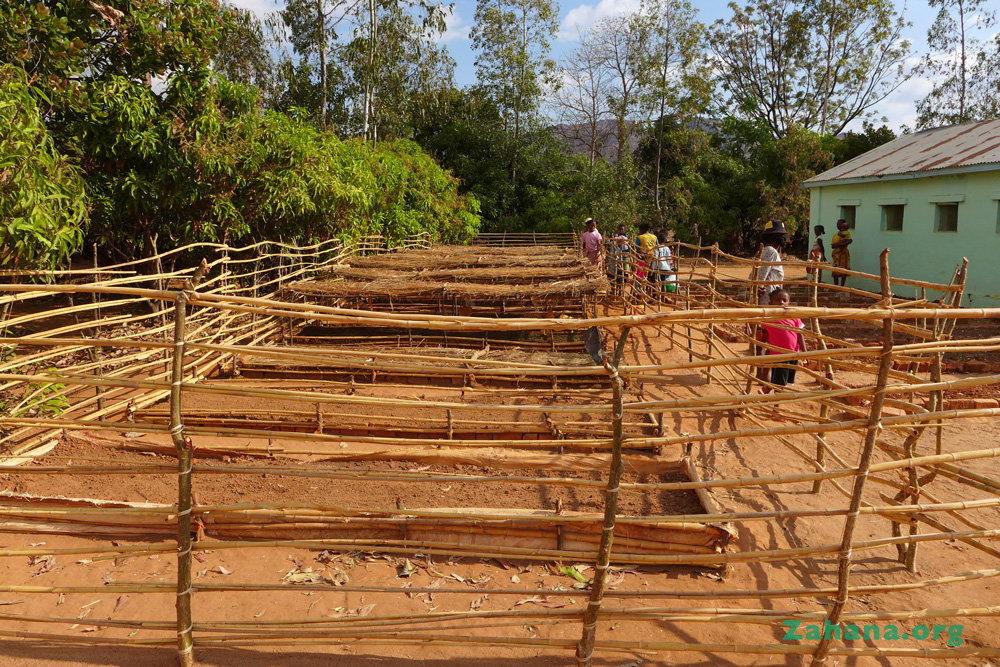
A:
x: 95, y: 363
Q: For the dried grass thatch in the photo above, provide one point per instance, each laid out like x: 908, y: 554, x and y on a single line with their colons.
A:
x: 395, y: 287
x: 491, y: 274
x: 445, y: 257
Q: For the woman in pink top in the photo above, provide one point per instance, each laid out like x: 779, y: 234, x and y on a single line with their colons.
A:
x: 592, y: 241
x: 784, y: 335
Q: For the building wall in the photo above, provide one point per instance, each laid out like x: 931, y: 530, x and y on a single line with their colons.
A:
x: 918, y: 251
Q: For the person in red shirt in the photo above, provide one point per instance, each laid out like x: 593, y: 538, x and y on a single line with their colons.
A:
x: 784, y: 335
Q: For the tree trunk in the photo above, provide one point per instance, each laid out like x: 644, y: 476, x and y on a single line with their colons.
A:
x: 321, y: 31
x: 961, y: 64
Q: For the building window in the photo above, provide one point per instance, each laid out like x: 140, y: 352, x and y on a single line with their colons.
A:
x: 946, y: 218
x: 998, y: 217
x: 849, y: 214
x: 892, y: 217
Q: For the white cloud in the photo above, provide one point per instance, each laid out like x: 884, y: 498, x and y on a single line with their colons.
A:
x: 259, y: 7
x: 456, y: 28
x: 582, y: 18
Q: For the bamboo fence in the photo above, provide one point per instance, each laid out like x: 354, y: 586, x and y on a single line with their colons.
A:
x: 121, y: 359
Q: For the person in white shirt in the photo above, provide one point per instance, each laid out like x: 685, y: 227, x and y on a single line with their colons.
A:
x: 661, y: 265
x: 770, y: 274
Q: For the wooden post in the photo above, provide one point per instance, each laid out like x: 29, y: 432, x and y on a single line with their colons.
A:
x: 874, y: 427
x: 185, y: 642
x: 687, y: 306
x: 585, y: 649
x: 95, y: 297
x: 710, y: 333
x: 824, y: 408
x: 95, y: 356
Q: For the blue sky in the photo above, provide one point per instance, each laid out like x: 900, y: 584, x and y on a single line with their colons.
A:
x: 578, y: 15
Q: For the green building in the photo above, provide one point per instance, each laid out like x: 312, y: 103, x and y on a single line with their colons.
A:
x: 932, y: 198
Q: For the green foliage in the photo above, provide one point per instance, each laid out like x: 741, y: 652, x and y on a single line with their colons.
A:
x: 964, y: 67
x: 42, y: 203
x: 513, y: 38
x: 43, y: 398
x: 815, y: 65
x: 785, y: 164
x: 722, y: 187
x: 189, y: 157
x: 852, y: 144
x: 707, y: 191
x: 362, y: 67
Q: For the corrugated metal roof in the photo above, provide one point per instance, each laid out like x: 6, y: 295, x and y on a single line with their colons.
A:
x: 956, y: 147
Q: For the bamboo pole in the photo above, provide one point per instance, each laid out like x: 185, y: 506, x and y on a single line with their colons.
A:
x: 874, y: 427
x: 185, y: 642
x: 585, y: 649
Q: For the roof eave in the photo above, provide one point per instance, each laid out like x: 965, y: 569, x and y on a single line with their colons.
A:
x: 814, y: 182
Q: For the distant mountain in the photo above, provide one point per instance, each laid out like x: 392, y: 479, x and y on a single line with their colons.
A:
x: 577, y: 135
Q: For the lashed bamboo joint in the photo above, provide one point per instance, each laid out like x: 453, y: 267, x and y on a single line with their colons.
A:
x: 442, y: 402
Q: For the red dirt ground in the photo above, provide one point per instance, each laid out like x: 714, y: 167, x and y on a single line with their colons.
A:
x: 730, y: 458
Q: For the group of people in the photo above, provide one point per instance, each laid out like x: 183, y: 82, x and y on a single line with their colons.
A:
x: 653, y: 266
x: 841, y: 253
x: 645, y: 263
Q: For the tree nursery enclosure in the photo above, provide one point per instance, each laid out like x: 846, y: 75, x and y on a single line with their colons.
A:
x: 361, y: 448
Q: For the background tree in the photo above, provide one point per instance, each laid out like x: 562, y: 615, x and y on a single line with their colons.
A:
x: 513, y: 39
x: 623, y: 40
x: 243, y: 53
x: 677, y: 79
x: 311, y: 28
x: 581, y: 102
x: 816, y: 64
x: 394, y: 61
x: 851, y: 144
x: 963, y: 66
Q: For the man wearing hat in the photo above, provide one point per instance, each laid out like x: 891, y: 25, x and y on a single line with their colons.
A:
x: 770, y: 274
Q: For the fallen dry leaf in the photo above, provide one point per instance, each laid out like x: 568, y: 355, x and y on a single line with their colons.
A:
x: 541, y: 602
x: 122, y: 599
x: 480, y: 581
x: 405, y: 569
x: 303, y: 576
x: 222, y: 569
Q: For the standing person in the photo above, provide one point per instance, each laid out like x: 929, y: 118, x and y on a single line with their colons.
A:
x: 771, y: 275
x: 841, y: 255
x: 784, y: 335
x: 663, y: 272
x: 592, y: 241
x: 645, y: 242
x: 618, y: 260
x: 818, y: 252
